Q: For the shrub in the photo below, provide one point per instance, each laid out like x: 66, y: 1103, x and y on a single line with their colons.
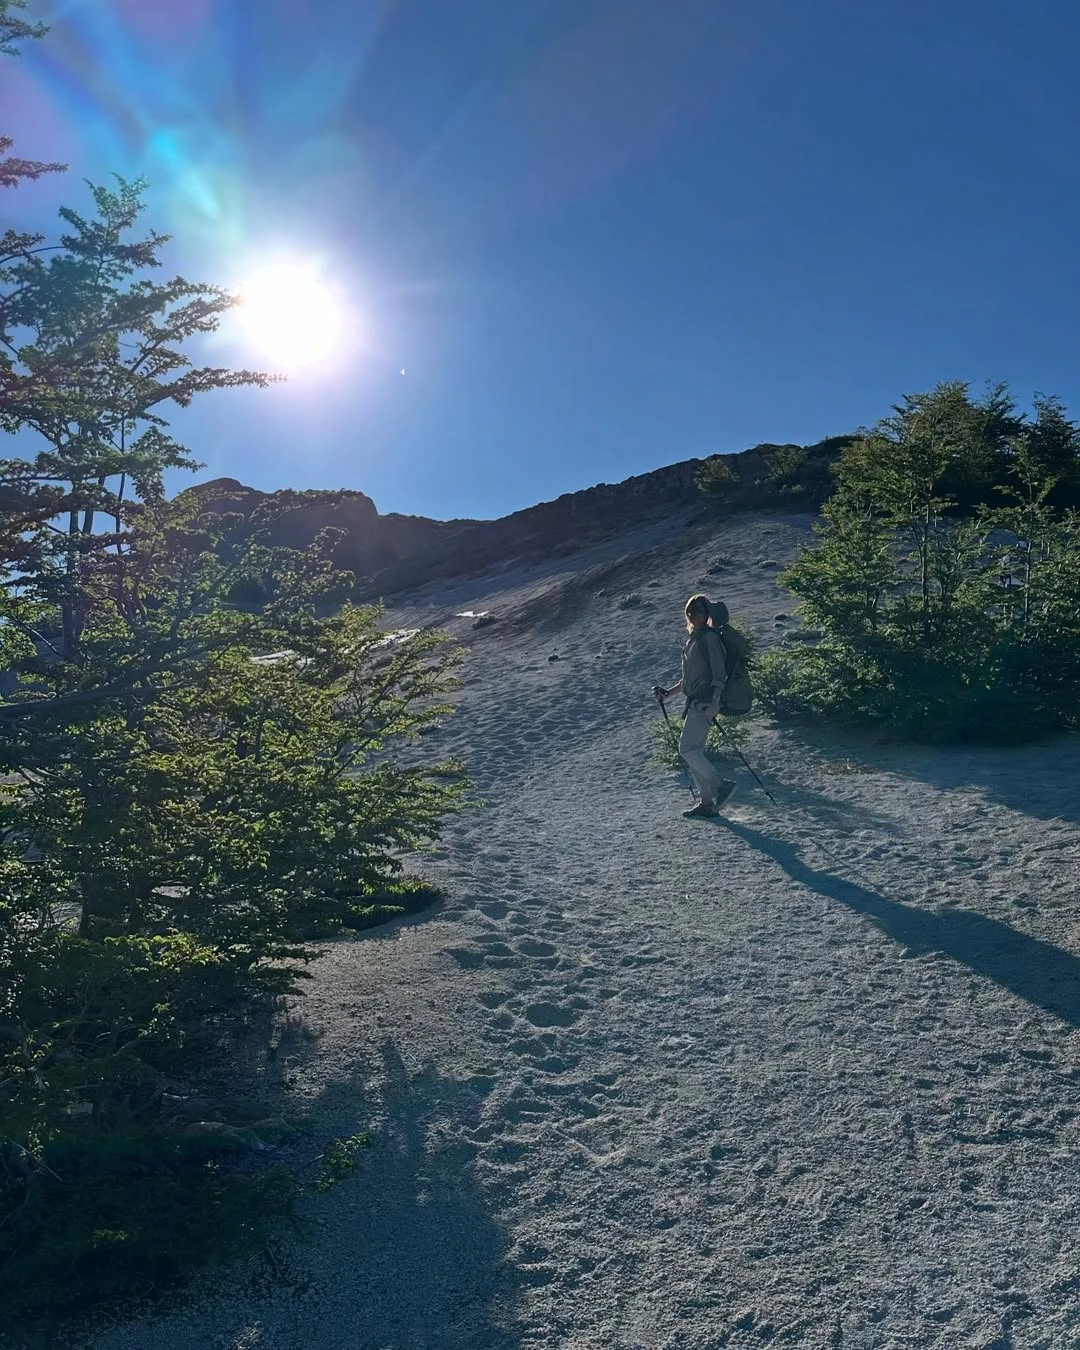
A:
x: 98, y: 1196
x: 799, y: 477
x: 340, y: 1161
x: 117, y: 1214
x: 716, y: 475
x: 936, y: 626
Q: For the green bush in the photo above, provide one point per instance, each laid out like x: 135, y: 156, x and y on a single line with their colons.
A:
x: 115, y: 1215
x: 88, y: 1026
x: 340, y: 1161
x: 798, y: 477
x: 936, y: 625
x: 981, y: 434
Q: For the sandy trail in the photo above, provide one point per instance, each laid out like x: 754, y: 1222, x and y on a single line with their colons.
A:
x: 805, y: 1076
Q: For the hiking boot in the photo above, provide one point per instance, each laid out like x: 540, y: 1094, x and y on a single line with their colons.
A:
x: 703, y: 811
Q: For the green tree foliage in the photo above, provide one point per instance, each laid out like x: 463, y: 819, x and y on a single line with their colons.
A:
x: 798, y: 477
x: 1053, y: 441
x: 717, y: 476
x: 14, y: 30
x: 94, y: 351
x: 190, y: 787
x: 942, y: 620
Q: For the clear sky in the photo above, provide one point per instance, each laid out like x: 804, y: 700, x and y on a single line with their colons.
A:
x: 599, y: 236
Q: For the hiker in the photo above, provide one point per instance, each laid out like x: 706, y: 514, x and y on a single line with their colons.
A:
x: 704, y: 673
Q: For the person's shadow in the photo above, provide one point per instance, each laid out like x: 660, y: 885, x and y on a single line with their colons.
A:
x: 1037, y: 971
x: 424, y: 1260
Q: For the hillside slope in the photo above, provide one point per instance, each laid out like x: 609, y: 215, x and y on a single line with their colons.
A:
x: 392, y: 554
x: 805, y: 1076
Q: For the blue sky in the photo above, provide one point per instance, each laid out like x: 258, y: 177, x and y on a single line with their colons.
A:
x: 598, y: 235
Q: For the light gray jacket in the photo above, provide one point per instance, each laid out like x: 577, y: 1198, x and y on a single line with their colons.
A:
x: 704, y: 669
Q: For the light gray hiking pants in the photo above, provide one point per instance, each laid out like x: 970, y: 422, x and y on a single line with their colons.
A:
x: 706, y: 776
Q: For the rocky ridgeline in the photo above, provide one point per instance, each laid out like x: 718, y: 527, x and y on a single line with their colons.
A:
x: 392, y: 554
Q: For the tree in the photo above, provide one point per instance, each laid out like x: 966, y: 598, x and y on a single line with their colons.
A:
x: 773, y: 475
x: 159, y: 755
x: 99, y: 353
x: 986, y: 429
x: 14, y: 30
x: 1052, y: 440
x: 848, y: 578
x: 932, y: 623
x: 934, y: 457
x: 716, y: 476
x: 1039, y: 564
x: 188, y: 788
x: 13, y: 171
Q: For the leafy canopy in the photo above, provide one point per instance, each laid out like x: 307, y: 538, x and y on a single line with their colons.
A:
x: 945, y: 578
x: 206, y: 757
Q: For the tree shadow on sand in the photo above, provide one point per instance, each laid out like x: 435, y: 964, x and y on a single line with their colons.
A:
x: 1036, y: 779
x: 411, y: 1234
x: 1036, y: 971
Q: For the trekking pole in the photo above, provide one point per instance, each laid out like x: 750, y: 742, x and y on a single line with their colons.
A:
x: 746, y: 763
x: 672, y: 736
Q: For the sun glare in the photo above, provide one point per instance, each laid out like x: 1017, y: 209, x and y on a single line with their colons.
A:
x: 290, y: 315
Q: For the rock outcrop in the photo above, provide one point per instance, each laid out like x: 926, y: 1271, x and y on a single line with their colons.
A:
x: 369, y: 543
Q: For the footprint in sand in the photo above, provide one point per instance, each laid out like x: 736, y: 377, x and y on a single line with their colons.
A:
x: 496, y: 952
x: 722, y: 1152
x: 525, y: 1110
x: 494, y: 909
x: 530, y: 947
x: 556, y: 1064
x: 508, y: 1150
x: 550, y: 1015
x: 529, y: 1047
x: 468, y: 958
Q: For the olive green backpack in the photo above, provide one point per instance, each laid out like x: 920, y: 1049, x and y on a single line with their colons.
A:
x: 738, y: 695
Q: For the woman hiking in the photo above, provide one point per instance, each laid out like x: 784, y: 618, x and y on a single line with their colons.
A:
x: 704, y: 672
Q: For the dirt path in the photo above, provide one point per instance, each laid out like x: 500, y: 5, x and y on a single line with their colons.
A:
x: 807, y: 1076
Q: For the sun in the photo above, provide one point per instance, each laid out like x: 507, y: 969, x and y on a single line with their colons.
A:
x: 290, y: 314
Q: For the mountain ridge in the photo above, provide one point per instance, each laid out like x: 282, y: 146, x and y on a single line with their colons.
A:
x: 394, y: 553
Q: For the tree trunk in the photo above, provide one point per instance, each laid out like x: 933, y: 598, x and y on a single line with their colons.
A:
x: 67, y: 607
